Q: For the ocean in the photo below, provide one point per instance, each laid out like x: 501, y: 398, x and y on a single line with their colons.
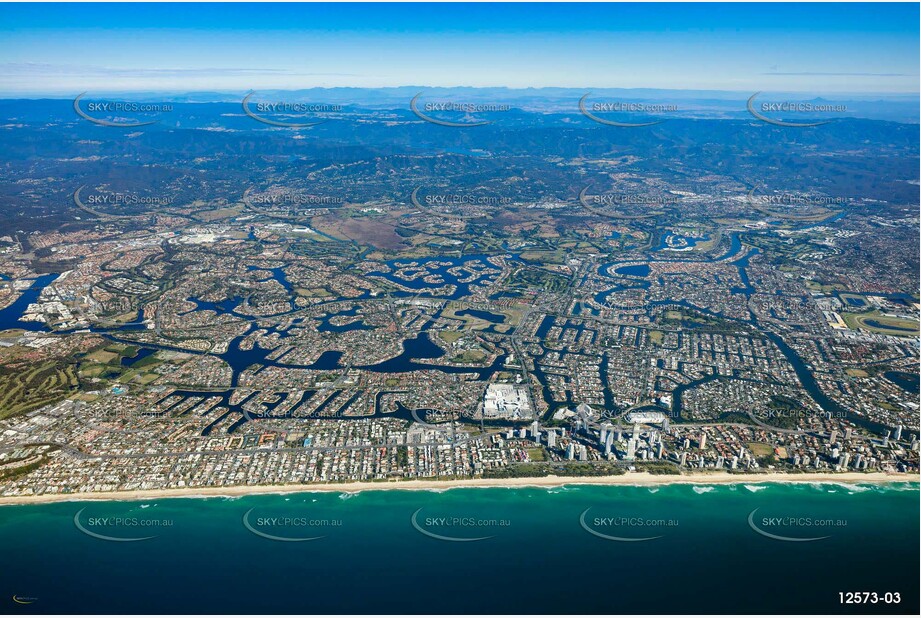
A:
x: 771, y: 548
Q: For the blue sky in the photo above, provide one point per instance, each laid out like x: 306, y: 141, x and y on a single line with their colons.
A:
x: 815, y: 48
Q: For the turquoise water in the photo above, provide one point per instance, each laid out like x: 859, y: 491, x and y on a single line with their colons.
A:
x: 534, y: 556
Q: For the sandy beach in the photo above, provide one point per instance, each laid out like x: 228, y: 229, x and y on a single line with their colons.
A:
x: 634, y: 478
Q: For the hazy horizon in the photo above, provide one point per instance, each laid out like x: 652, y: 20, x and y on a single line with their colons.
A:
x: 805, y: 48
x: 638, y: 91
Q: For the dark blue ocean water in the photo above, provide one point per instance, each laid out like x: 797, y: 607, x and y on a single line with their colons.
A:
x: 534, y: 556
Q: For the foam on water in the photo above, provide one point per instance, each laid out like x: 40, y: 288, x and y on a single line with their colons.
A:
x: 44, y: 540
x: 855, y: 489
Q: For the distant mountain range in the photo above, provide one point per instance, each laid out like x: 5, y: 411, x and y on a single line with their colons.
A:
x: 689, y: 103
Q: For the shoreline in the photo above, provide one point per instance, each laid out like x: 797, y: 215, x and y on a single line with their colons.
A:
x: 629, y: 479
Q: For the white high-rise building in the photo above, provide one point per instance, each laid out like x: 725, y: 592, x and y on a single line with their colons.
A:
x: 605, y: 430
x: 844, y: 460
